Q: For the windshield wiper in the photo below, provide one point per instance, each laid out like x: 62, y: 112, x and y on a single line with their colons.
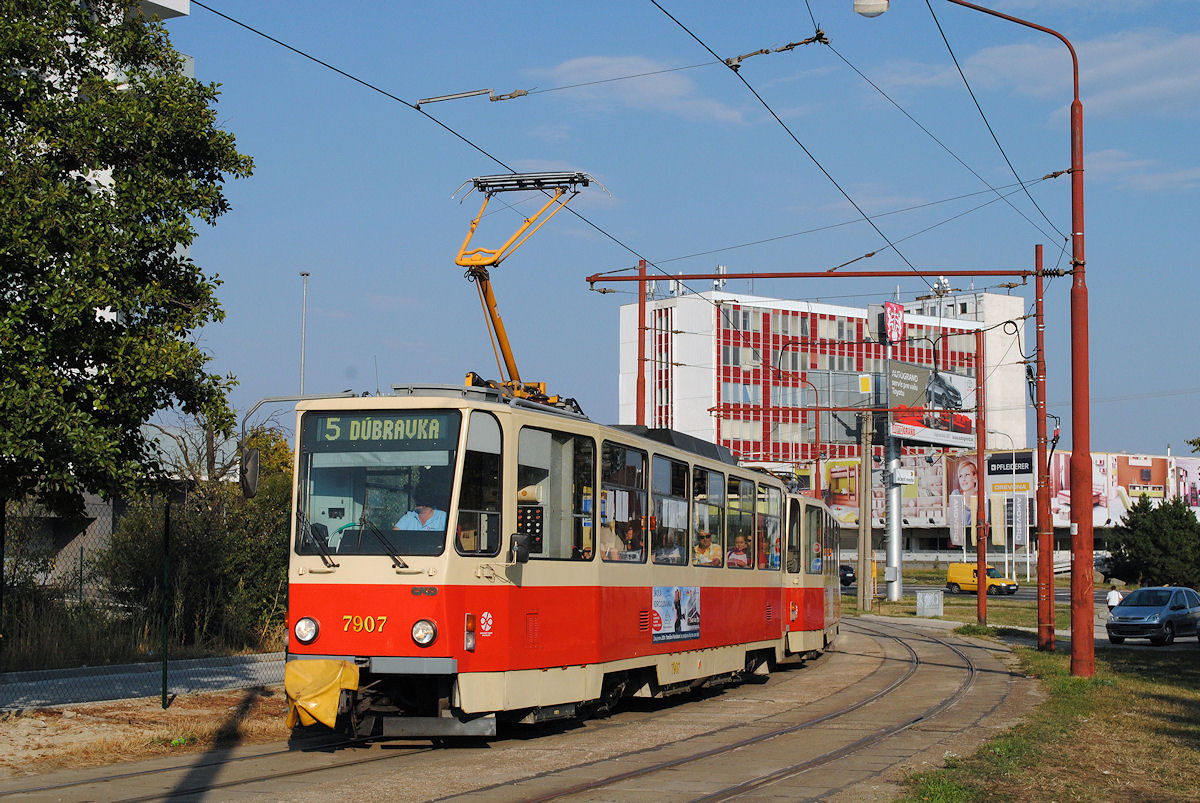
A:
x: 387, y: 545
x: 322, y: 549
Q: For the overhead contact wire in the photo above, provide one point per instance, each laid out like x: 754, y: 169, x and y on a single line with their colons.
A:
x: 800, y: 144
x: 986, y: 123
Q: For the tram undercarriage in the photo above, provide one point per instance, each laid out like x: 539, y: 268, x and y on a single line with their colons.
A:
x: 366, y: 704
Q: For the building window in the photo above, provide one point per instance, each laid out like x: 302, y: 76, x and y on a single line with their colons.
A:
x: 738, y: 357
x: 741, y: 393
x: 744, y: 319
x: 788, y: 324
x: 786, y: 397
x: 787, y: 432
x: 735, y: 430
x: 791, y: 359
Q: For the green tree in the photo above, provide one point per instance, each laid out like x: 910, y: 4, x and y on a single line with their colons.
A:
x: 109, y: 153
x: 1157, y: 545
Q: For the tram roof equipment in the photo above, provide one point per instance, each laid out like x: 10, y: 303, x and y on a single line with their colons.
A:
x: 561, y: 187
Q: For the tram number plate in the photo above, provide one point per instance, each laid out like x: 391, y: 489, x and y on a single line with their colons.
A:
x: 359, y: 624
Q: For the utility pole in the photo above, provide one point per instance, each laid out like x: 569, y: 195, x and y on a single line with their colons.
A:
x: 1045, y: 524
x: 866, y: 425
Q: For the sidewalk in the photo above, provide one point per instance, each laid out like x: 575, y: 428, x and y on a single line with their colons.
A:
x: 50, y: 687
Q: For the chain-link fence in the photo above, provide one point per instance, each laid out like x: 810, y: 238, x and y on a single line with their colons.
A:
x: 92, y: 605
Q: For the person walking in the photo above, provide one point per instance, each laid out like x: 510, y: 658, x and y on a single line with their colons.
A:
x: 1113, y: 598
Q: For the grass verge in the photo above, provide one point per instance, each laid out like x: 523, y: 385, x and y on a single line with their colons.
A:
x: 1001, y: 611
x: 1132, y: 732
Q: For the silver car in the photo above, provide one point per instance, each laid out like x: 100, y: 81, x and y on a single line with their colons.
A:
x: 1157, y: 613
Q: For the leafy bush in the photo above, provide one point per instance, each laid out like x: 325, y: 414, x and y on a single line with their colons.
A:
x: 226, y: 576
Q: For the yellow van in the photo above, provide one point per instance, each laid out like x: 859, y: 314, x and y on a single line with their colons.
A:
x: 962, y: 577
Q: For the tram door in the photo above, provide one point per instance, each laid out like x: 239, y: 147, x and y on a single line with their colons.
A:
x: 794, y: 579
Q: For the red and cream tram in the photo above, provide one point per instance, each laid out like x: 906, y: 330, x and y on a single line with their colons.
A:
x: 460, y: 556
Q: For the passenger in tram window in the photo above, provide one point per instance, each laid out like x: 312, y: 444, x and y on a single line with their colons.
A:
x: 738, y: 558
x: 670, y: 553
x: 610, y: 545
x: 424, y: 514
x: 631, y: 538
x: 706, y: 553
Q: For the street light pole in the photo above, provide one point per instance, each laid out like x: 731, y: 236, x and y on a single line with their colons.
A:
x: 1083, y: 648
x: 303, y: 325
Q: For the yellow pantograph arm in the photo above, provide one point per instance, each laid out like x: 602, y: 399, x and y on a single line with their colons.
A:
x: 485, y: 257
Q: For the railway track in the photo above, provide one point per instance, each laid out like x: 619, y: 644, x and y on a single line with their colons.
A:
x: 808, y: 732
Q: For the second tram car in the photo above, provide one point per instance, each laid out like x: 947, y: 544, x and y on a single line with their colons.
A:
x: 460, y: 556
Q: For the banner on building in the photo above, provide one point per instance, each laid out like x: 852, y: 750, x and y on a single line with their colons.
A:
x: 1020, y: 519
x: 956, y: 519
x: 1010, y: 472
x: 931, y: 407
x: 893, y: 316
x: 999, y: 526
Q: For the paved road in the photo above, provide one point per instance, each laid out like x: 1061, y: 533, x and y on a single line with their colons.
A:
x: 90, y: 684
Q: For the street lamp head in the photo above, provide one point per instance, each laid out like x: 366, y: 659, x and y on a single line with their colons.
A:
x: 870, y: 8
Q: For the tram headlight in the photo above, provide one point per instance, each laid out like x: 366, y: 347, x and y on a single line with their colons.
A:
x: 424, y: 632
x: 306, y: 630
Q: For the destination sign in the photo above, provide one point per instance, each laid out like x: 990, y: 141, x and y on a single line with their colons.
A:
x: 381, y: 430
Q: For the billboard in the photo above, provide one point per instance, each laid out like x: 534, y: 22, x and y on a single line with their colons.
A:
x: 913, y: 388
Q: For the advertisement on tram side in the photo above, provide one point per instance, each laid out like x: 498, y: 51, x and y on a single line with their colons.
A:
x: 676, y: 613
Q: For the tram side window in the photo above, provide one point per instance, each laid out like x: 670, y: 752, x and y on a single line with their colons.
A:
x: 770, y: 514
x: 708, y: 517
x: 478, y: 531
x: 741, y: 524
x: 555, y: 478
x: 622, y: 504
x: 795, y: 548
x: 814, y: 538
x: 669, y: 494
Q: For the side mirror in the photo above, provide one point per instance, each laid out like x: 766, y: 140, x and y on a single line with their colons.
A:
x: 249, y: 474
x: 519, y: 550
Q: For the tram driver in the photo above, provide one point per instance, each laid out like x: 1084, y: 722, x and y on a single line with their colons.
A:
x: 424, y: 515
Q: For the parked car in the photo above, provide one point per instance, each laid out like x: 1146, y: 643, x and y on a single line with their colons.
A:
x: 1157, y: 613
x: 962, y: 577
x: 846, y: 574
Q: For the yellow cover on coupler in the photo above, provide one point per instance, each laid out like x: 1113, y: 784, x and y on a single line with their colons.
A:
x: 314, y: 689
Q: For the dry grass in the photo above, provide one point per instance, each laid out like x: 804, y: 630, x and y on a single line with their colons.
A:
x: 95, y: 734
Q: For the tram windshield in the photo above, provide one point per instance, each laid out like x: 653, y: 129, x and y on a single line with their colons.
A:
x: 375, y: 483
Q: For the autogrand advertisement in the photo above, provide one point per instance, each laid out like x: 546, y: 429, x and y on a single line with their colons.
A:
x: 931, y: 407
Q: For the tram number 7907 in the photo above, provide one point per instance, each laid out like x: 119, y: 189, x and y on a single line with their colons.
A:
x: 371, y: 624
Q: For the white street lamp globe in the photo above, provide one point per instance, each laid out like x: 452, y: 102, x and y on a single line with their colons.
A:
x: 870, y: 8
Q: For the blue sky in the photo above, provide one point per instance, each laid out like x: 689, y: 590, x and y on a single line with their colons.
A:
x: 355, y: 188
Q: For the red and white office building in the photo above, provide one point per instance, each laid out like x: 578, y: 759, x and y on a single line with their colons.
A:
x: 746, y: 372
